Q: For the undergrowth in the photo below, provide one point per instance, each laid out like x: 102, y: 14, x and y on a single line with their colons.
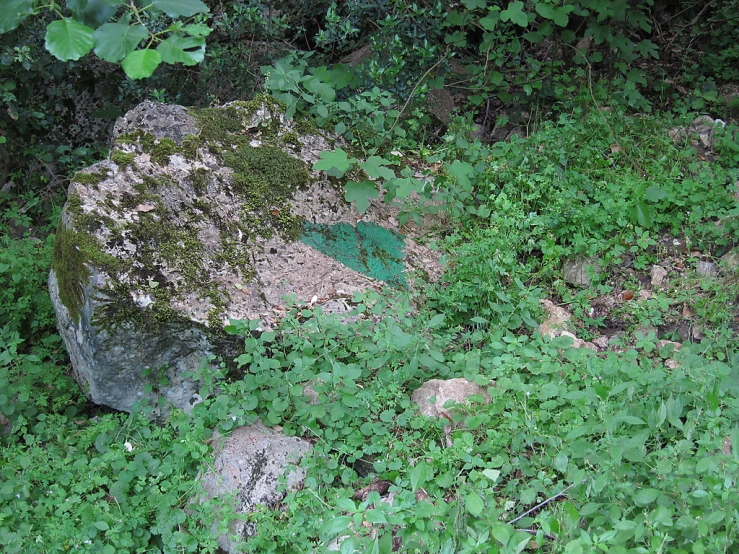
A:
x: 575, y: 451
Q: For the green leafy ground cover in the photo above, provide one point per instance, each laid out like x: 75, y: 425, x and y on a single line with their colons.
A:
x: 576, y: 452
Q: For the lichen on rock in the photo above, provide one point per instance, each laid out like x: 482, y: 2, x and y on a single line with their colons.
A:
x: 199, y: 217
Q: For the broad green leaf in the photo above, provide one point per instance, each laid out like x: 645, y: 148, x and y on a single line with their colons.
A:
x: 14, y: 12
x: 325, y: 92
x: 491, y: 19
x: 654, y: 194
x: 335, y: 163
x: 336, y: 525
x: 641, y: 214
x: 67, y: 39
x: 501, y: 532
x: 92, y: 13
x: 472, y: 4
x: 492, y: 474
x: 436, y: 321
x: 360, y: 193
x: 558, y: 14
x: 646, y: 496
x: 184, y: 50
x: 102, y: 525
x: 404, y: 186
x: 375, y: 168
x: 515, y: 14
x: 474, y: 503
x: 179, y: 8
x: 420, y: 473
x: 462, y: 171
x: 197, y: 30
x: 114, y: 40
x: 140, y: 64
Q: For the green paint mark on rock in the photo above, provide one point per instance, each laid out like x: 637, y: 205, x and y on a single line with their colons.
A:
x: 367, y: 248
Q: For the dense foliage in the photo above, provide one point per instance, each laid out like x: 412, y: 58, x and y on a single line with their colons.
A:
x: 633, y: 449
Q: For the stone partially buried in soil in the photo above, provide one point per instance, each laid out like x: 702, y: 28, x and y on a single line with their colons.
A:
x: 180, y: 232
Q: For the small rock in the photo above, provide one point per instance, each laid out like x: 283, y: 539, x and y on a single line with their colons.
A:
x: 675, y: 345
x: 557, y: 320
x: 578, y: 271
x: 658, y: 275
x: 579, y: 343
x: 601, y: 342
x: 731, y: 259
x: 707, y: 269
x: 248, y: 465
x: 672, y: 364
x: 445, y: 390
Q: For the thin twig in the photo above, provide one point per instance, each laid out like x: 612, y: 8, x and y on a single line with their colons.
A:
x: 547, y: 501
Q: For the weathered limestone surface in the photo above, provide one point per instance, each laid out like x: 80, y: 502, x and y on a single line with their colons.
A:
x: 248, y: 465
x: 442, y: 391
x: 200, y: 216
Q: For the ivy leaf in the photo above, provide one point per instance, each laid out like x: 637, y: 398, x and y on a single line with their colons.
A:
x: 515, y: 14
x: 140, y: 64
x: 375, y: 168
x: 558, y: 14
x: 335, y: 163
x: 14, y: 13
x: 184, y: 50
x: 114, y: 40
x: 360, y: 193
x: 491, y: 19
x: 179, y: 8
x: 67, y: 39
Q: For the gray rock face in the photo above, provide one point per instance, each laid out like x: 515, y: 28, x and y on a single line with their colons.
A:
x: 248, y: 465
x: 577, y: 271
x: 443, y: 391
x: 200, y: 217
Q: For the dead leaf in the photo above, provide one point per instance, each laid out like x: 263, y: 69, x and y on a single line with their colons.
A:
x: 727, y: 446
x: 144, y: 157
x: 615, y: 148
x: 686, y: 311
x: 145, y: 207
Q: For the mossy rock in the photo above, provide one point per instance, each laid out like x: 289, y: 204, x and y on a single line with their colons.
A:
x: 199, y: 217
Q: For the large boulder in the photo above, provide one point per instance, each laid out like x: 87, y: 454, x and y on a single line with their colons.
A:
x: 200, y: 216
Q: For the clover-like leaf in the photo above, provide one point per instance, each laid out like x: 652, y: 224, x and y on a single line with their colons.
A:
x: 184, y: 50
x: 114, y: 40
x: 179, y: 8
x: 360, y: 193
x: 515, y: 14
x: 67, y: 39
x: 14, y: 12
x: 140, y: 64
